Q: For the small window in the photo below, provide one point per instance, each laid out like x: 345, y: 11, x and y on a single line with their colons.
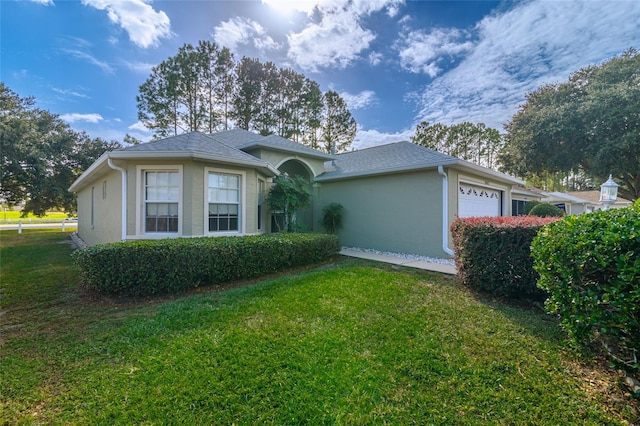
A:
x: 223, y: 202
x: 260, y: 204
x: 93, y: 206
x: 104, y: 190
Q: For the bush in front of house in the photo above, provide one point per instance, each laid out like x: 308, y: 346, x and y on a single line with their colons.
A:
x: 332, y: 217
x: 590, y: 265
x: 493, y: 254
x: 152, y: 267
x: 530, y: 205
x: 546, y: 210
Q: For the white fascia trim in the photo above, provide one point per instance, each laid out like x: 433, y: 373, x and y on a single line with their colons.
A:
x: 75, y: 186
x: 194, y: 154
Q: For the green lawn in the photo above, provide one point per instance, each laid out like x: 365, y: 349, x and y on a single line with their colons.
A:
x: 13, y: 216
x: 346, y: 343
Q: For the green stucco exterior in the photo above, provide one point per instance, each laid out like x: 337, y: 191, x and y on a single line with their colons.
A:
x: 399, y: 212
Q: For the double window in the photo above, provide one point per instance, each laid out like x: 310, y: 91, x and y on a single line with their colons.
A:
x: 161, y: 201
x: 223, y: 202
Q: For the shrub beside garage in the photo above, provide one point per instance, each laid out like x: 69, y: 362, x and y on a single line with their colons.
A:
x: 153, y: 267
x: 493, y: 254
x: 590, y: 266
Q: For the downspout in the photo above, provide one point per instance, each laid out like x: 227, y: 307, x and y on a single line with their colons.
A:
x: 124, y: 197
x: 445, y: 212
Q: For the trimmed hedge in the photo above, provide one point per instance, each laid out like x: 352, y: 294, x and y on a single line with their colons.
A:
x: 493, y: 254
x: 546, y: 210
x: 590, y: 265
x: 152, y: 267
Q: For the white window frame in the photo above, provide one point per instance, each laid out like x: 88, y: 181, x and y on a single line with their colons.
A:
x: 261, y: 215
x: 242, y: 209
x: 141, y: 200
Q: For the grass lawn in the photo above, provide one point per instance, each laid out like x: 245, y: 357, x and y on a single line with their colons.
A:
x: 352, y: 342
x: 13, y: 216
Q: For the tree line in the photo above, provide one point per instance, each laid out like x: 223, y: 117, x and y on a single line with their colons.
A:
x: 569, y: 135
x: 203, y: 88
x: 41, y: 155
x: 471, y: 142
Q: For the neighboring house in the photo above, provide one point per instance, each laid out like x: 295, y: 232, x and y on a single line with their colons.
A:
x: 593, y: 202
x: 578, y: 202
x: 399, y: 197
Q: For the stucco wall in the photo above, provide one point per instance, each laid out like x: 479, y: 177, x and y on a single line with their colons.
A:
x: 193, y: 195
x: 107, y: 210
x: 400, y: 212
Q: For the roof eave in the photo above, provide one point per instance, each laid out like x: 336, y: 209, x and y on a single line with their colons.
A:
x: 92, y: 170
x: 98, y: 165
x: 260, y: 145
x: 379, y: 172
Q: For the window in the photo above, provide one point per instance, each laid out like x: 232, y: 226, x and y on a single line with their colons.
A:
x: 161, y: 201
x: 517, y: 207
x: 93, y: 206
x: 223, y: 202
x: 104, y: 190
x: 260, y: 204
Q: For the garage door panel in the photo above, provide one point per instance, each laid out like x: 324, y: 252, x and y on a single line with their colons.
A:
x: 478, y: 201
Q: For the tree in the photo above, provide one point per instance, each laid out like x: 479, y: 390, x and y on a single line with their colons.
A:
x: 203, y: 89
x: 590, y: 124
x: 288, y: 195
x: 338, y: 127
x: 475, y: 143
x: 41, y: 155
x: 187, y: 92
x: 247, y: 92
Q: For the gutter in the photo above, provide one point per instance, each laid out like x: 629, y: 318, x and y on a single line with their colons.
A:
x: 445, y: 212
x: 124, y: 196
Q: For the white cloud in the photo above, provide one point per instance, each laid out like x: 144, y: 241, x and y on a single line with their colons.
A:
x: 89, y: 118
x: 375, y: 58
x: 335, y: 42
x: 70, y: 93
x: 420, y: 52
x: 519, y: 50
x: 43, y: 2
x: 338, y: 38
x: 139, y: 127
x: 285, y: 6
x: 144, y: 25
x: 242, y: 31
x: 360, y: 100
x: 368, y: 138
x: 141, y: 67
x: 79, y: 54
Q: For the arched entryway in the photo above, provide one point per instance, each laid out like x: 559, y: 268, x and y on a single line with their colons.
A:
x: 293, y: 167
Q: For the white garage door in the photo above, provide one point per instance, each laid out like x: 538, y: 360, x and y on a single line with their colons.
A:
x: 478, y: 201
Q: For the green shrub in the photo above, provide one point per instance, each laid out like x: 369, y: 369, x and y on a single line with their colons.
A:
x: 332, y: 217
x: 530, y: 205
x: 150, y: 267
x: 590, y: 265
x: 546, y: 210
x: 493, y: 254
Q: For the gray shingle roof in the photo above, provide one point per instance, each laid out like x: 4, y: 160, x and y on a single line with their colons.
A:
x: 195, y: 144
x: 245, y: 140
x: 390, y: 158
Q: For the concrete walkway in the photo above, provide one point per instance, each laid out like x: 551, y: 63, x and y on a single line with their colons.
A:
x: 411, y: 263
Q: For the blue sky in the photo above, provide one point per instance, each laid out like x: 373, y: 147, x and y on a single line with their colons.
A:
x: 395, y: 62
